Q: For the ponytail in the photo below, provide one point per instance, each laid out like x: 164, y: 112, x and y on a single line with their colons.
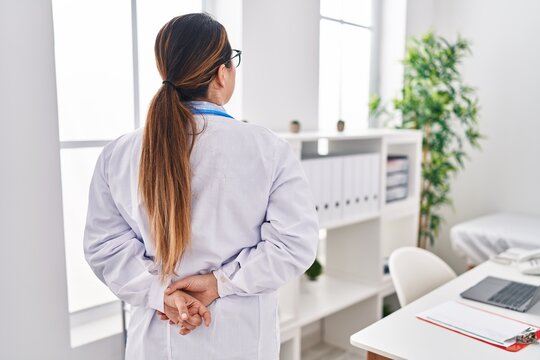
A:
x: 188, y: 51
x: 165, y: 176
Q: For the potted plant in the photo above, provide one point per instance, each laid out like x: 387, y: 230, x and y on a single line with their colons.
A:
x: 314, y: 271
x: 436, y: 100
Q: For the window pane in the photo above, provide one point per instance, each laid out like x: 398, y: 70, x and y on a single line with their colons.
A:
x: 151, y: 16
x: 355, y: 76
x: 357, y: 12
x: 84, y: 288
x: 354, y: 11
x: 94, y: 68
x: 329, y: 74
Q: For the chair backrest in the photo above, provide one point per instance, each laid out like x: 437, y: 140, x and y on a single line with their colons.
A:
x: 415, y: 272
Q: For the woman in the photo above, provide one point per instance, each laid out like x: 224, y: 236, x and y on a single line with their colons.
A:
x: 218, y: 209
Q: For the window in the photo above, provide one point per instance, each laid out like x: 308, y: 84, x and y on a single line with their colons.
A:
x: 94, y: 70
x: 106, y: 77
x: 151, y: 16
x: 345, y: 63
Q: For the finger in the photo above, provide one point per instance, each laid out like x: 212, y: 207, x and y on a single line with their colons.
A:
x: 207, y: 318
x: 187, y: 325
x: 205, y: 314
x: 163, y: 317
x: 160, y: 314
x: 184, y: 331
x: 180, y: 303
x: 194, y: 320
x: 178, y: 285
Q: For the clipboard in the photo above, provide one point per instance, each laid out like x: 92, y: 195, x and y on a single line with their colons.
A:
x: 443, y: 317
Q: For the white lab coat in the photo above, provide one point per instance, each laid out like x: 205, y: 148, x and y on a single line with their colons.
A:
x: 253, y: 223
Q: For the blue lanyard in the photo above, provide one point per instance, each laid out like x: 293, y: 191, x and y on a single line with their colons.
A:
x: 210, y: 112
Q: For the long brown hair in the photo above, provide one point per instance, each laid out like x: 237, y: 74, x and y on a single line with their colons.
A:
x: 189, y: 49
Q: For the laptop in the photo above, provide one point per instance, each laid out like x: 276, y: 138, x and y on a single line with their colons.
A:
x: 504, y: 293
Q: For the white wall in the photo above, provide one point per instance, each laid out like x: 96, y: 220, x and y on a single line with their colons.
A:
x: 33, y: 305
x: 281, y: 62
x: 34, y: 295
x: 505, y: 68
x: 420, y: 16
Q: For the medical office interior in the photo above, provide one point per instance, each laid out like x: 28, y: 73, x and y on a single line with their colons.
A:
x: 78, y: 74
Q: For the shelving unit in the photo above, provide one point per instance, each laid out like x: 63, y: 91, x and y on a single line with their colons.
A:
x: 317, y: 318
x: 352, y: 220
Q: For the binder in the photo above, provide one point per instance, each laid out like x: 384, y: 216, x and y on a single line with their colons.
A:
x: 364, y: 183
x: 356, y: 187
x: 336, y: 186
x: 325, y: 182
x: 369, y: 174
x: 348, y: 186
x: 316, y: 173
x: 375, y: 181
x: 308, y: 166
x: 344, y: 186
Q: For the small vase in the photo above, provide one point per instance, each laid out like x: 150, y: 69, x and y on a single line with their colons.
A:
x: 340, y: 125
x: 294, y: 126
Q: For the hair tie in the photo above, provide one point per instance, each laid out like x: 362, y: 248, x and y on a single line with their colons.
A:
x: 168, y: 82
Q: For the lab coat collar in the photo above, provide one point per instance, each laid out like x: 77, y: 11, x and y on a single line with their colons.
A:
x: 205, y: 105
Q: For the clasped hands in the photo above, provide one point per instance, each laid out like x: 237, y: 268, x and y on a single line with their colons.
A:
x: 185, y: 302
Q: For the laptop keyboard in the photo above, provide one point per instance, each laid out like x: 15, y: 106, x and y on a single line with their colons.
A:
x: 513, y: 295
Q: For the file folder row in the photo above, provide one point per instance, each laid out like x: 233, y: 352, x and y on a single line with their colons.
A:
x: 344, y: 186
x: 397, y: 178
x: 396, y: 163
x: 396, y: 193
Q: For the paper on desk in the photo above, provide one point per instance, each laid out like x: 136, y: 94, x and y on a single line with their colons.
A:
x: 476, y: 323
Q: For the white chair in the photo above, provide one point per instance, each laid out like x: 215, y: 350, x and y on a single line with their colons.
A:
x: 415, y: 272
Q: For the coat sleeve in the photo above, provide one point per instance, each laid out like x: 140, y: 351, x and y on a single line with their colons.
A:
x: 289, y: 235
x: 113, y: 250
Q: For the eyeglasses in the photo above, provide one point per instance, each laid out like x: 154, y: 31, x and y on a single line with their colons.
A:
x: 236, y: 58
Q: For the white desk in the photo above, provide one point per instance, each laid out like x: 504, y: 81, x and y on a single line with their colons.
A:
x: 402, y: 336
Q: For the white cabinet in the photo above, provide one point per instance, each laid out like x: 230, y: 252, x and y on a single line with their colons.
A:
x: 348, y: 183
